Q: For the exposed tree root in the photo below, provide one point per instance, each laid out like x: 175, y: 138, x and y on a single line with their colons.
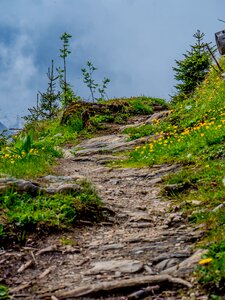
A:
x: 120, y: 285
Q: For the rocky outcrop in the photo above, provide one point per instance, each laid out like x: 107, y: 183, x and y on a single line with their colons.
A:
x: 86, y: 110
x: 49, y: 185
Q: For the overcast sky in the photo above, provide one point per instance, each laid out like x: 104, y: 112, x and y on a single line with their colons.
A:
x: 132, y: 42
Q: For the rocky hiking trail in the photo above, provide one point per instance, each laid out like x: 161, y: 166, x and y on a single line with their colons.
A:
x: 144, y: 250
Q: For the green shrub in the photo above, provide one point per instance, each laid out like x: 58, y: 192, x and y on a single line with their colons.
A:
x: 76, y: 124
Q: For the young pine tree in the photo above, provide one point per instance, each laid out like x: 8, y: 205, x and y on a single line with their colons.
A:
x: 67, y: 94
x: 48, y: 103
x: 191, y: 71
x: 34, y: 112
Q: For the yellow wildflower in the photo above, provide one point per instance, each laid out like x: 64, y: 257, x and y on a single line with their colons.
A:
x: 205, y: 261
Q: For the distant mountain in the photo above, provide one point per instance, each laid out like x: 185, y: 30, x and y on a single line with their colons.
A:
x: 3, y: 127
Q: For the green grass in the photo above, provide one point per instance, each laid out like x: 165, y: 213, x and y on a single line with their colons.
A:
x: 26, y: 158
x: 193, y: 135
x: 23, y: 214
x: 53, y: 133
x: 33, y: 152
x: 4, y: 293
x: 194, y: 128
x: 212, y: 274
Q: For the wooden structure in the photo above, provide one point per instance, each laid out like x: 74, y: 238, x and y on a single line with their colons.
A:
x: 220, y: 41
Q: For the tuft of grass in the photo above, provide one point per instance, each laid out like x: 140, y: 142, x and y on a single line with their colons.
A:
x: 4, y: 292
x: 26, y: 158
x: 23, y: 214
x: 211, y: 272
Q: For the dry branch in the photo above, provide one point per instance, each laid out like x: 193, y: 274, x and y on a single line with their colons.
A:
x: 34, y: 258
x: 118, y: 285
x: 48, y: 249
x: 46, y: 272
x: 28, y: 264
x: 20, y: 287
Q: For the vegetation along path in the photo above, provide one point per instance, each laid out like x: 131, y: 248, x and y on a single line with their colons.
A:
x: 142, y: 249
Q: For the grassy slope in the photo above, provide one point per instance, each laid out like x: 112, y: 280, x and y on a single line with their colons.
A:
x: 194, y: 135
x: 34, y: 153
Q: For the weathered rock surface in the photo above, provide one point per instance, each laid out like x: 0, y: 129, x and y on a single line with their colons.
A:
x: 187, y: 266
x: 149, y: 120
x: 56, y: 185
x: 122, y: 266
x: 19, y: 185
x: 66, y: 188
x: 106, y: 144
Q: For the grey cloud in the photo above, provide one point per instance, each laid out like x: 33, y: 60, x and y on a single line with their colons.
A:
x: 133, y: 42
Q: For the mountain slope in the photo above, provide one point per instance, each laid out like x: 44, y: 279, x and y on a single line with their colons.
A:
x: 194, y: 135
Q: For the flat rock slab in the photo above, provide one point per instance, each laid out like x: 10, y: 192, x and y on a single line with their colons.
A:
x: 53, y: 178
x: 20, y: 186
x: 107, y: 143
x: 111, y: 247
x: 66, y: 188
x: 187, y: 266
x: 150, y: 120
x: 122, y: 266
x: 59, y: 186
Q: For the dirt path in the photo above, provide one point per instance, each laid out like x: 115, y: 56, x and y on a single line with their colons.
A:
x: 142, y: 239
